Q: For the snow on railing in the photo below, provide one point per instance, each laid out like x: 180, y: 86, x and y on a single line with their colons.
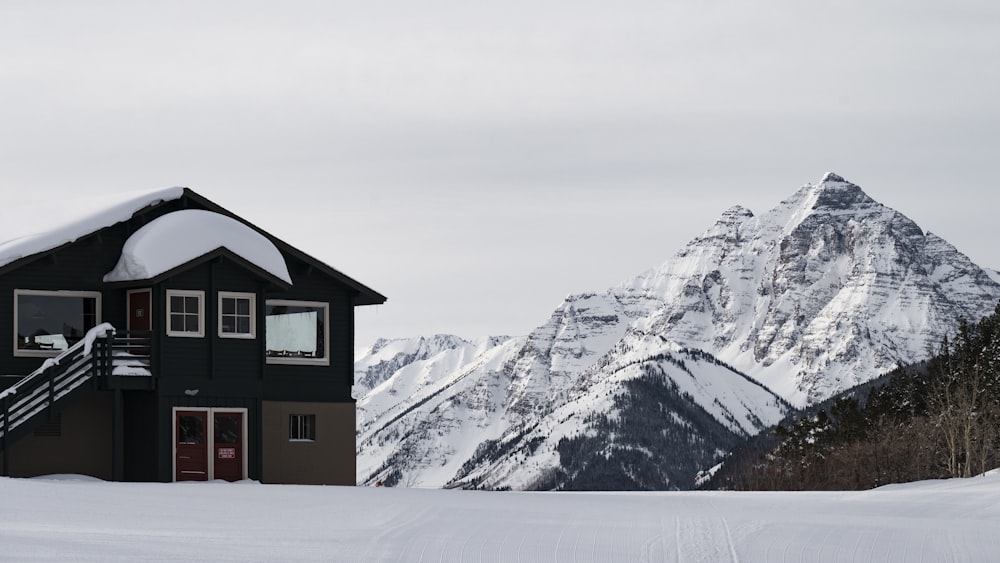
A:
x: 86, y: 343
x: 54, y: 379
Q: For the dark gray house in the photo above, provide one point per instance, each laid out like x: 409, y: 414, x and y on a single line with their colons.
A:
x: 158, y: 337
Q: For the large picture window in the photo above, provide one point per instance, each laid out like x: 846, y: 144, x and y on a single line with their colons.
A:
x: 48, y: 322
x: 296, y: 332
x: 185, y: 313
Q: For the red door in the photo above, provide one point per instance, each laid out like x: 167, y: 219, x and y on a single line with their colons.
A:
x: 192, y: 446
x: 228, y: 445
x: 139, y: 309
x: 140, y: 318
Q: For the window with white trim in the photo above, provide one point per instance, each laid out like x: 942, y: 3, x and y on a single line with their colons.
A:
x: 295, y: 332
x: 302, y: 428
x: 185, y: 313
x: 48, y: 322
x: 237, y: 314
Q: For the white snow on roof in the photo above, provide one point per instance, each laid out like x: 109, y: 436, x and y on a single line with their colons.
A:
x: 179, y: 237
x: 30, y: 229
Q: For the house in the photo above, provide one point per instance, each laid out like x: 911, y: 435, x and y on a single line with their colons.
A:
x: 159, y: 337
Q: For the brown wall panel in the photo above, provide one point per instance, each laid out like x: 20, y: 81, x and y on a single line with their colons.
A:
x: 329, y: 460
x: 83, y: 448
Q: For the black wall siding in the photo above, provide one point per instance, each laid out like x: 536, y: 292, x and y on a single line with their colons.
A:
x: 80, y: 267
x: 317, y: 383
x: 183, y: 356
x: 142, y: 444
x: 231, y: 364
x: 236, y: 358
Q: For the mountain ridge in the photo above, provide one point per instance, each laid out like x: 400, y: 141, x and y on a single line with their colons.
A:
x: 828, y: 289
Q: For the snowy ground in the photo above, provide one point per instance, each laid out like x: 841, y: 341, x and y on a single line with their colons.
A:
x: 956, y: 520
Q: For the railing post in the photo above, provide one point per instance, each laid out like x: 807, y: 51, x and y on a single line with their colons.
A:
x: 6, y: 432
x: 109, y: 344
x: 52, y: 388
x: 117, y: 424
x: 95, y: 367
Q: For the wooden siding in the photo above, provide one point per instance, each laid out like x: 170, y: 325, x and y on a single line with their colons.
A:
x: 141, y: 441
x: 186, y: 361
x: 77, y: 268
x: 317, y: 383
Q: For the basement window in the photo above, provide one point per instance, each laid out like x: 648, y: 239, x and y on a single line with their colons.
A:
x: 302, y: 428
x: 48, y: 322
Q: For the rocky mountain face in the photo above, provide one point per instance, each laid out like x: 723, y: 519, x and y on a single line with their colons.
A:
x: 827, y: 290
x: 653, y: 379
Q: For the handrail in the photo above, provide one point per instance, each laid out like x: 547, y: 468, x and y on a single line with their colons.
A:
x: 54, y: 379
x: 102, y: 353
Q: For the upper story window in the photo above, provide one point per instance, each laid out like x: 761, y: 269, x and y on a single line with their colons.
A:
x: 48, y: 322
x: 185, y: 313
x: 296, y: 332
x: 237, y: 314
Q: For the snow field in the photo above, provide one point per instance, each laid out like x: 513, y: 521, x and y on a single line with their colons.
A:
x: 954, y: 520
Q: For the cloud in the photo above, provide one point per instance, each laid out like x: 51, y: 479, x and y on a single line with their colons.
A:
x: 451, y: 150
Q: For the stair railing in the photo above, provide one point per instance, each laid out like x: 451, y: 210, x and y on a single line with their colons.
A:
x: 56, y: 378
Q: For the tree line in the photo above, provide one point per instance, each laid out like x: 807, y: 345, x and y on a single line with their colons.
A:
x: 936, y: 419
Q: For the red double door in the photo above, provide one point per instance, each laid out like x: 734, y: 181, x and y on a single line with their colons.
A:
x: 209, y: 444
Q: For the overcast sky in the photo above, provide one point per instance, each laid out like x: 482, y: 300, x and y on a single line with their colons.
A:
x: 476, y: 162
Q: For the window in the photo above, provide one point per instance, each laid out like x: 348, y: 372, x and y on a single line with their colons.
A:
x: 48, y: 322
x: 190, y: 429
x: 185, y: 311
x: 237, y: 314
x: 302, y: 427
x: 296, y: 332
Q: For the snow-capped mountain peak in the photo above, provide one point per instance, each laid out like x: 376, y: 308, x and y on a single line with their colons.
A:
x: 828, y: 289
x: 824, y: 291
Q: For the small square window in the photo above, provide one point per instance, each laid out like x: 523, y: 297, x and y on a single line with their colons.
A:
x: 302, y: 427
x: 237, y: 314
x: 185, y: 311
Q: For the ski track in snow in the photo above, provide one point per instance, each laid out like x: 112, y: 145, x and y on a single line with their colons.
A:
x: 954, y: 520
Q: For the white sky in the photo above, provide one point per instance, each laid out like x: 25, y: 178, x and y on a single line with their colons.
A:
x: 478, y: 161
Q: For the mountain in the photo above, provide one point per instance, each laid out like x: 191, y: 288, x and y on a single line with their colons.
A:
x: 486, y: 423
x: 827, y: 290
x: 642, y: 385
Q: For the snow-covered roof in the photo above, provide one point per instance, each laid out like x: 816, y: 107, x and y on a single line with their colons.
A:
x: 30, y: 229
x: 177, y: 238
x: 33, y: 229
